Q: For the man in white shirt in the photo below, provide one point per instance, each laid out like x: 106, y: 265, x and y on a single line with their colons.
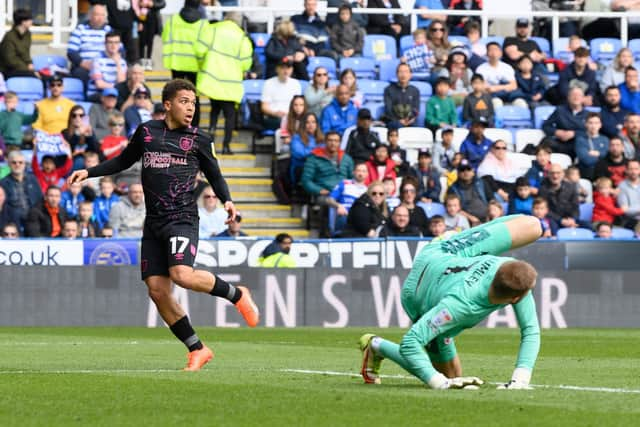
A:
x: 277, y: 93
x: 500, y: 77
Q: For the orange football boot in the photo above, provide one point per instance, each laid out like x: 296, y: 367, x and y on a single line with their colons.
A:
x: 198, y: 358
x: 247, y: 308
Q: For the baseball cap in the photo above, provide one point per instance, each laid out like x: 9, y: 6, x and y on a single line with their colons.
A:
x: 464, y: 165
x: 480, y: 121
x: 447, y: 129
x: 110, y: 92
x: 284, y: 62
x: 522, y: 22
x: 364, y: 113
x: 141, y: 91
x: 424, y: 152
x: 55, y: 78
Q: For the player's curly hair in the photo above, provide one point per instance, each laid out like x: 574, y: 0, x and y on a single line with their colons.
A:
x: 171, y: 89
x: 514, y: 279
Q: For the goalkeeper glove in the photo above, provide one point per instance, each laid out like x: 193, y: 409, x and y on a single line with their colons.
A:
x: 519, y: 380
x: 440, y: 382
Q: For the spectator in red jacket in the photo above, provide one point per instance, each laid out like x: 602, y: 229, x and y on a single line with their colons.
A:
x: 49, y: 174
x: 605, y: 208
x: 380, y: 165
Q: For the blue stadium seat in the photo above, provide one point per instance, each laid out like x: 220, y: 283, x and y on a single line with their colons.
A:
x: 85, y: 105
x: 542, y: 113
x: 604, y: 49
x: 365, y: 68
x: 25, y: 107
x: 46, y: 61
x: 322, y: 61
x: 73, y: 89
x: 260, y: 41
x: 379, y: 47
x: 424, y: 88
x: 28, y: 88
x: 459, y: 40
x: 586, y: 212
x: 433, y: 208
x: 514, y: 117
x: 622, y: 233
x: 543, y: 44
x: 497, y: 39
x: 387, y: 70
x: 252, y: 89
x: 406, y: 42
x: 575, y: 234
x: 372, y: 90
x: 634, y: 45
x: 303, y: 85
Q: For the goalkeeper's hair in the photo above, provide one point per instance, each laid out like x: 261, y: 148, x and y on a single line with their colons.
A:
x: 514, y: 279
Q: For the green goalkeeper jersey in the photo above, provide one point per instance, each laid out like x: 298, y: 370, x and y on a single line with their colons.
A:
x: 447, y: 291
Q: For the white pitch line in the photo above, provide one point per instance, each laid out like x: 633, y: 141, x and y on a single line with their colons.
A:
x: 89, y: 371
x: 559, y: 387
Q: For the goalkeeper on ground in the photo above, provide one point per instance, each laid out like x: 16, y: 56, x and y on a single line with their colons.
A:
x: 455, y: 284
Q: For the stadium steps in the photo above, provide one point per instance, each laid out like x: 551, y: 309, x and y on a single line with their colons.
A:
x: 264, y: 211
x: 261, y: 185
x: 271, y: 232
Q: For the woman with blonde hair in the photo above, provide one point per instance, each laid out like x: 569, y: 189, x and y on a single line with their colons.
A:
x: 319, y: 94
x: 284, y: 46
x: 368, y: 214
x: 614, y: 73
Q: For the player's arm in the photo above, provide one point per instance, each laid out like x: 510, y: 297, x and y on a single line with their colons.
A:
x: 128, y: 157
x: 436, y: 321
x: 525, y: 311
x: 209, y: 165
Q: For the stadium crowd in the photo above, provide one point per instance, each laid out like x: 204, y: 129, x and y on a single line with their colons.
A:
x: 340, y: 97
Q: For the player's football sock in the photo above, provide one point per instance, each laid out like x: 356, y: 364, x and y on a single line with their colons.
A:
x: 389, y: 350
x: 247, y: 308
x: 371, y: 361
x: 183, y: 330
x: 225, y: 290
x: 198, y: 358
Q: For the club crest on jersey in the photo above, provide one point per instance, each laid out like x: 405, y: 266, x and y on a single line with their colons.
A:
x: 442, y: 318
x: 186, y: 143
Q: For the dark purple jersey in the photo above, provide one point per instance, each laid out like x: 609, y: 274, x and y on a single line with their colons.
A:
x: 171, y: 160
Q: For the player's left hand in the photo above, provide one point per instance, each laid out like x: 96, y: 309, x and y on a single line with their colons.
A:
x: 231, y: 211
x: 464, y: 382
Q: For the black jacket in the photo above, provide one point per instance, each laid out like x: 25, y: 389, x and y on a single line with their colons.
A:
x: 563, y: 202
x: 379, y: 24
x: 277, y: 49
x: 363, y: 216
x: 39, y: 222
x: 391, y: 230
x: 361, y: 146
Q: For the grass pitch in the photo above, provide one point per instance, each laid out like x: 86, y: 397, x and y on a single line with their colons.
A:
x: 292, y: 377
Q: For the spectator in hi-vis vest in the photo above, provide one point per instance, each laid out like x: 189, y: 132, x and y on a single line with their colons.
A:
x: 276, y: 255
x: 224, y: 54
x: 178, y: 34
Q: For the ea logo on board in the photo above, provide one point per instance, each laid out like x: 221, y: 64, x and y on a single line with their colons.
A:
x: 110, y: 254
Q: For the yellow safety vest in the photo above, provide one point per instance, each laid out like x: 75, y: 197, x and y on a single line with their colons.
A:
x: 225, y: 54
x: 177, y: 43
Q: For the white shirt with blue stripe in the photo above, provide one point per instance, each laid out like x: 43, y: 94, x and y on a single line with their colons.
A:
x: 87, y: 41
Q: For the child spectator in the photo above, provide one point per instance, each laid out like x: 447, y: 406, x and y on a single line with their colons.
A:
x: 441, y: 110
x: 522, y: 201
x: 71, y: 199
x: 290, y: 124
x: 531, y: 86
x: 113, y: 144
x: 604, y: 202
x: 452, y: 174
x: 453, y: 218
x: 346, y: 35
x: 87, y: 225
x: 459, y: 74
x: 428, y: 178
x: 478, y: 103
x: 443, y: 152
x: 603, y: 230
x: 591, y: 146
x: 380, y: 165
x: 11, y: 121
x: 572, y: 175
x: 540, y: 209
x: 419, y: 57
x: 362, y: 141
x: 389, y: 184
x: 437, y: 227
x: 494, y: 210
x: 478, y: 48
x: 106, y: 199
x: 574, y: 43
x: 398, y: 155
x: 348, y: 78
x: 49, y: 174
x: 539, y: 168
x: 106, y: 232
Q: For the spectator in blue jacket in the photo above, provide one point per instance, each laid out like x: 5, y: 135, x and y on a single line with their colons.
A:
x: 302, y: 144
x: 341, y: 113
x: 591, y: 146
x: 579, y: 71
x: 566, y: 122
x: 612, y: 114
x: 521, y: 202
x: 539, y: 167
x: 71, y: 199
x: 630, y: 91
x: 102, y: 204
x: 531, y: 86
x: 476, y: 145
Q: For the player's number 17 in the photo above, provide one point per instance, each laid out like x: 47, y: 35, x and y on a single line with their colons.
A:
x: 182, y: 241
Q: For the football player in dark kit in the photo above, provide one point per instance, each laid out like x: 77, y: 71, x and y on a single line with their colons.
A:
x: 172, y: 153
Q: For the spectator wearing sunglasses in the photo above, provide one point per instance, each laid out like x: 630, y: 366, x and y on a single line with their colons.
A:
x: 53, y: 112
x: 212, y: 216
x: 499, y: 169
x: 113, y: 143
x: 99, y: 114
x: 368, y: 215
